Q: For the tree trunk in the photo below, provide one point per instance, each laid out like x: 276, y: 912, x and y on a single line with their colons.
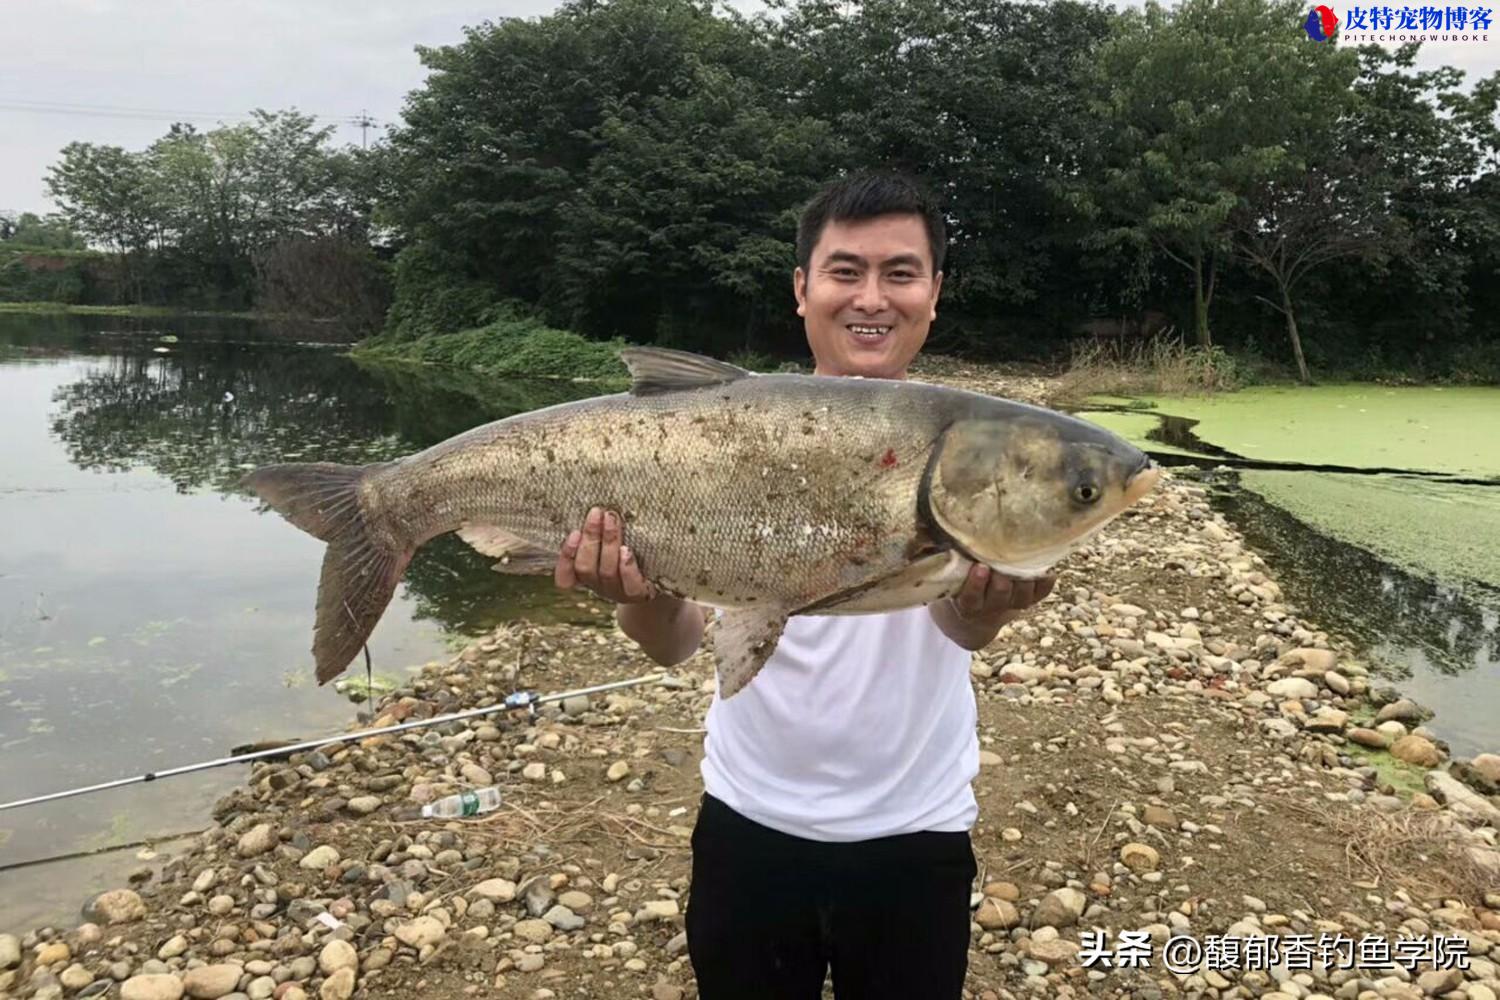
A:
x: 1200, y: 303
x: 1291, y: 329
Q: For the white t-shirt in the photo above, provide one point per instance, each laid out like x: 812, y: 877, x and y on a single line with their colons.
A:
x: 858, y: 726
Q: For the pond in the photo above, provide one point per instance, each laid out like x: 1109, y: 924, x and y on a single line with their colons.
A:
x: 151, y: 614
x: 1378, y: 509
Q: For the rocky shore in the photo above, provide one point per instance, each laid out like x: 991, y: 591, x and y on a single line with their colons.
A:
x: 1169, y: 751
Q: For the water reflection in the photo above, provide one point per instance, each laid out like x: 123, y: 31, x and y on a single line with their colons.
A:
x: 150, y: 613
x: 1441, y: 642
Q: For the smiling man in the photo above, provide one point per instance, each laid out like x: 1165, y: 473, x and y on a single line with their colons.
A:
x: 834, y: 831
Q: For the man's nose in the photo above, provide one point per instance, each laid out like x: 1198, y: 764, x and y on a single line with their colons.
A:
x: 870, y: 296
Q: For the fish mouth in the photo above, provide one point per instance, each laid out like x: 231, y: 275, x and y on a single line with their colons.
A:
x: 1142, y: 480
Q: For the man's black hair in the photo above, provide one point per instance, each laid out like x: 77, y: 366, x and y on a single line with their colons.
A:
x: 868, y: 196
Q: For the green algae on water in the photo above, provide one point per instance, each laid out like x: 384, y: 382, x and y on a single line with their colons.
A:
x: 1420, y: 428
x: 1437, y: 529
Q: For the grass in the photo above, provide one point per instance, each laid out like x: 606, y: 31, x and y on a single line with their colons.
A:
x: 1416, y: 850
x: 142, y: 312
x: 1162, y: 366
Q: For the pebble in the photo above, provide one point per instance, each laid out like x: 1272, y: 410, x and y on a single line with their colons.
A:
x: 535, y: 931
x: 617, y: 771
x: 118, y: 906
x: 336, y: 955
x: 421, y: 932
x: 339, y: 986
x: 10, y: 951
x: 1140, y: 857
x: 319, y: 857
x: 257, y: 841
x: 151, y: 987
x: 496, y: 890
x: 1059, y: 908
x: 209, y: 982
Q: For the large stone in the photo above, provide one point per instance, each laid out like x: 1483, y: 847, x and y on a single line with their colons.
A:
x: 535, y: 931
x: 1312, y: 658
x: 1328, y: 720
x: 118, y: 906
x: 10, y: 951
x: 421, y: 932
x: 339, y: 986
x: 1153, y: 815
x: 337, y: 955
x: 1401, y: 710
x: 320, y: 857
x: 496, y: 890
x: 1059, y: 908
x: 997, y: 914
x: 209, y: 982
x: 53, y: 953
x: 256, y: 841
x: 1417, y: 750
x: 151, y: 987
x: 1439, y: 981
x: 1292, y: 687
x: 1140, y: 857
x: 1463, y: 800
x: 1368, y: 738
x: 75, y: 977
x: 1487, y: 765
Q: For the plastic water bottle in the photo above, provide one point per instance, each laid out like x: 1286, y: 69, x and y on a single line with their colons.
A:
x: 481, y: 800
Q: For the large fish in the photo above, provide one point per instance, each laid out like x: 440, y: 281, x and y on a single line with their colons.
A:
x: 764, y: 495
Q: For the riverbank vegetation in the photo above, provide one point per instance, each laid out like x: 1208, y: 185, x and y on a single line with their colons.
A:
x: 633, y: 169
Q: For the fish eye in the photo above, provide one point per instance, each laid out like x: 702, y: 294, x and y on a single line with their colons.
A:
x: 1085, y: 493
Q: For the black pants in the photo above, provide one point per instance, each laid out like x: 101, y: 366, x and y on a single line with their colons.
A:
x: 768, y: 914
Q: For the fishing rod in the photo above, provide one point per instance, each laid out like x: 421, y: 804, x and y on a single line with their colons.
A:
x: 520, y: 699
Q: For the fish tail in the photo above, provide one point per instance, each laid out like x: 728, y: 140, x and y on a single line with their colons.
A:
x: 361, y: 566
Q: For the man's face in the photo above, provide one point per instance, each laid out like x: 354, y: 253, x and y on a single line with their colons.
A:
x: 871, y: 296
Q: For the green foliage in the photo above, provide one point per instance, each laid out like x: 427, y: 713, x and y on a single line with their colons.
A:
x: 515, y: 345
x: 188, y: 214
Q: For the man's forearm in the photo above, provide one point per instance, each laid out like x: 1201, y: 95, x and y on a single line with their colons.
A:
x: 970, y: 633
x: 667, y: 628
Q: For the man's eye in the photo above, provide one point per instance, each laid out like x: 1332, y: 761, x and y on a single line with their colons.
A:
x: 845, y: 272
x: 902, y: 275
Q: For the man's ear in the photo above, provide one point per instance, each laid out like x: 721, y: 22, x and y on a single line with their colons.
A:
x: 799, y: 289
x: 937, y: 287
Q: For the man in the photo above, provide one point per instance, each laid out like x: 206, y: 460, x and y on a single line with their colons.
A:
x: 838, y: 798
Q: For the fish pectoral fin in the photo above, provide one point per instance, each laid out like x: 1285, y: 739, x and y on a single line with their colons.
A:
x: 517, y: 556
x: 743, y: 641
x: 656, y: 370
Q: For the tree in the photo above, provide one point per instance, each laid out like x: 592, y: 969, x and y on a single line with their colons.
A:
x: 1290, y: 226
x: 1202, y: 105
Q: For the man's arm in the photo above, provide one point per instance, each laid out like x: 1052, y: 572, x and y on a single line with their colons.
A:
x: 667, y: 629
x: 986, y: 602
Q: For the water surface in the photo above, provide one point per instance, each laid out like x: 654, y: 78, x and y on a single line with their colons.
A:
x: 151, y: 615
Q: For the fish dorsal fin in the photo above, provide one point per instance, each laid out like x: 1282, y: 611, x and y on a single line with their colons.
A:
x: 660, y: 369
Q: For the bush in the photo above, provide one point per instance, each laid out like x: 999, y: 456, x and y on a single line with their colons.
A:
x: 515, y: 346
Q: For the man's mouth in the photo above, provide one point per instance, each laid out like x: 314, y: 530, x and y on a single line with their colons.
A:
x: 868, y: 331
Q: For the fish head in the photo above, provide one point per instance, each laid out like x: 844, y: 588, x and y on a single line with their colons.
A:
x: 1019, y: 492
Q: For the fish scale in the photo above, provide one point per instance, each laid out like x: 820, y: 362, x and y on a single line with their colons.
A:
x: 764, y: 495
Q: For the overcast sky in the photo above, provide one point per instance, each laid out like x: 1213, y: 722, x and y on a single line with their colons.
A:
x: 131, y: 60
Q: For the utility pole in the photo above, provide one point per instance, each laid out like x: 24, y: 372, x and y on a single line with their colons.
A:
x: 364, y: 121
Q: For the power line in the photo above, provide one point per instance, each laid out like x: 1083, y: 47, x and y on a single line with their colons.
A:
x: 362, y: 120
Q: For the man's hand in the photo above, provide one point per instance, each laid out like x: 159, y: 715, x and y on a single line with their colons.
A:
x: 597, y: 559
x: 986, y: 602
